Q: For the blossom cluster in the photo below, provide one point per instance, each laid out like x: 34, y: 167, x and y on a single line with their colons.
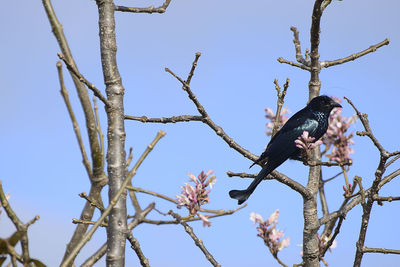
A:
x: 270, y: 115
x: 336, y: 135
x: 269, y: 233
x: 193, y: 197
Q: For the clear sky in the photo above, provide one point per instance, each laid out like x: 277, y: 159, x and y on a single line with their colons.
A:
x: 240, y: 41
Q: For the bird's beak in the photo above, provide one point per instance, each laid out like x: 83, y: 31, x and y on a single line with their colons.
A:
x: 336, y: 105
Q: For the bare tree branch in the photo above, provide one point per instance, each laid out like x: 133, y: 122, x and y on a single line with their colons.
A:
x: 380, y: 250
x: 113, y: 202
x: 297, y: 46
x: 102, y: 250
x: 161, y: 9
x: 367, y: 206
x: 136, y: 247
x: 174, y: 119
x: 83, y: 79
x: 294, y: 64
x: 21, y: 228
x: 92, y: 201
x: 218, y: 213
x: 98, y: 179
x: 76, y: 221
x: 116, y: 155
x: 310, y: 230
x: 196, y: 240
x: 136, y: 189
x: 75, y: 124
x: 280, y: 178
x: 330, y: 242
x: 281, y: 99
x: 372, y: 48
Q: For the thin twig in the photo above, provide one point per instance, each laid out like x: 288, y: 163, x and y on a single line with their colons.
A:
x: 98, y: 128
x: 372, y: 48
x: 330, y: 242
x: 173, y: 119
x: 21, y: 227
x: 64, y: 93
x: 161, y: 9
x: 330, y: 179
x: 83, y: 79
x: 206, y: 118
x: 328, y: 164
x: 130, y: 157
x: 294, y: 64
x: 281, y: 99
x: 392, y: 161
x: 388, y: 178
x: 364, y: 120
x: 192, y: 219
x: 136, y: 189
x: 92, y: 201
x: 89, y: 235
x: 381, y: 250
x: 388, y: 199
x: 76, y: 221
x: 136, y: 247
x: 196, y: 240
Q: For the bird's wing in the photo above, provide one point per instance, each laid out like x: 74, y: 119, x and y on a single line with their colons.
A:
x: 282, y: 143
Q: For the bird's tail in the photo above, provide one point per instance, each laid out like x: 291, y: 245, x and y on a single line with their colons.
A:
x: 243, y: 195
x: 240, y: 195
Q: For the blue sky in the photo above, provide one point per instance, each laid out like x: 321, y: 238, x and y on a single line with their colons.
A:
x: 40, y: 161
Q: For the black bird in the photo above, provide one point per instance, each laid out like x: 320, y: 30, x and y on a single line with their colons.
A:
x: 313, y: 118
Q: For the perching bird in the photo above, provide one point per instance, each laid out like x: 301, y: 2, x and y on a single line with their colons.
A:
x: 313, y: 119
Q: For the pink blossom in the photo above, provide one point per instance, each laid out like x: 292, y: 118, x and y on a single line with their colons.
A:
x: 269, y: 233
x: 273, y: 218
x: 284, y: 244
x: 306, y: 144
x: 193, y: 197
x: 256, y: 218
x: 204, y: 219
x: 270, y: 115
x: 336, y: 135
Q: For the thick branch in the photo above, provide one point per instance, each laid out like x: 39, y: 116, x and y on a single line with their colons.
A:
x: 116, y: 155
x: 310, y: 231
